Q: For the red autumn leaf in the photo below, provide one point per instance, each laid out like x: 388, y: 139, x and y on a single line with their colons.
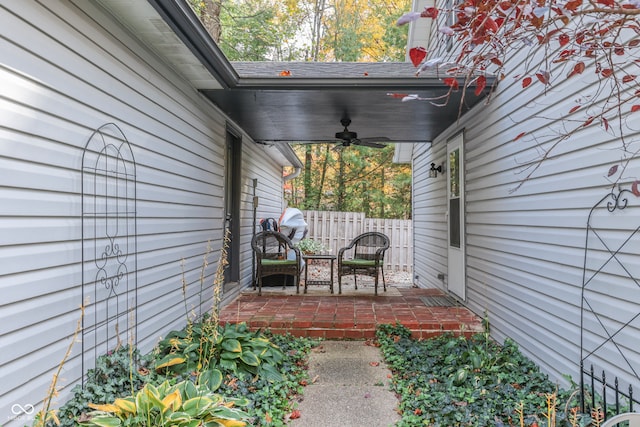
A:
x: 429, y: 12
x: 417, y: 411
x: 567, y: 53
x: 563, y: 39
x: 374, y: 364
x: 634, y: 188
x: 574, y: 109
x: 496, y: 61
x: 267, y: 417
x: 295, y: 414
x: 417, y: 54
x: 397, y: 95
x: 285, y: 73
x: 520, y: 135
x: 588, y: 121
x: 577, y: 69
x: 543, y: 76
x: 609, y: 3
x: 526, y: 81
x: 481, y: 83
x: 573, y: 5
x: 490, y: 25
x: 635, y: 108
x: 607, y: 72
x: 548, y: 36
x: 618, y: 50
x: 605, y: 123
x: 451, y: 82
x: 628, y: 78
x: 612, y: 170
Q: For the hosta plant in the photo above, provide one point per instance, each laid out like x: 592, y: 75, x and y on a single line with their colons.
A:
x: 183, y: 404
x: 233, y: 347
x: 117, y: 373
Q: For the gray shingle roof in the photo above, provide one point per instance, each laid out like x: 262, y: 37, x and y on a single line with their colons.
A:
x: 319, y: 70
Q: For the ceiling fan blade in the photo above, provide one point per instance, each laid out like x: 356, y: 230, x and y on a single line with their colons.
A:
x: 371, y: 142
x: 375, y: 139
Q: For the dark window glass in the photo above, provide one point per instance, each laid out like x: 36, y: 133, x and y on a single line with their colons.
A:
x: 454, y: 223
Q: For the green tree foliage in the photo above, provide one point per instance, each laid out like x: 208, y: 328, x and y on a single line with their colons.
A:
x: 363, y: 31
x: 306, y: 30
x: 352, y: 179
x: 248, y: 30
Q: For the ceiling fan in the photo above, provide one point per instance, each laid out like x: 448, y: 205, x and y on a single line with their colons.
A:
x: 348, y: 138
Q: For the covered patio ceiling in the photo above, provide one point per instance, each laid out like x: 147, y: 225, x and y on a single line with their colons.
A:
x: 305, y: 101
x: 284, y: 102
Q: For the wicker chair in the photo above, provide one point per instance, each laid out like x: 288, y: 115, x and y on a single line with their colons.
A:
x: 275, y: 254
x: 632, y: 417
x: 367, y: 259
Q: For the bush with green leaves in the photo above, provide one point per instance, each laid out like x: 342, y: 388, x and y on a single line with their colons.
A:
x: 310, y: 246
x: 271, y: 401
x: 117, y: 373
x: 453, y: 380
x: 270, y: 397
x: 205, y: 346
x: 184, y: 404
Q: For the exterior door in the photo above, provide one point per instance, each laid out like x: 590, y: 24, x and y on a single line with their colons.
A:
x: 232, y: 206
x: 456, y: 278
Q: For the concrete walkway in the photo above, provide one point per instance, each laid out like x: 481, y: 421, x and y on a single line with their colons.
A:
x: 348, y: 386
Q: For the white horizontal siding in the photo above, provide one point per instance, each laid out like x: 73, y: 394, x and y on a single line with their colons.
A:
x: 257, y: 165
x: 526, y: 236
x: 429, y: 220
x: 68, y: 68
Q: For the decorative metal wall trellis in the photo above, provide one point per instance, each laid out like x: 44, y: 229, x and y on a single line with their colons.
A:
x: 109, y: 244
x: 610, y: 304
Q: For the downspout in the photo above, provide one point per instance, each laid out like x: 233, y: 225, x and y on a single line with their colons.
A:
x: 292, y: 175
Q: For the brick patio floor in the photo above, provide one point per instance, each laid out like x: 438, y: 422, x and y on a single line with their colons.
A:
x: 350, y: 316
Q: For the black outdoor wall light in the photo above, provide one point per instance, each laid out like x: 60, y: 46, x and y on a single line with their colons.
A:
x: 433, y: 172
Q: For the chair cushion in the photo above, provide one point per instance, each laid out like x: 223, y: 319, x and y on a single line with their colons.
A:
x: 359, y: 262
x: 276, y: 262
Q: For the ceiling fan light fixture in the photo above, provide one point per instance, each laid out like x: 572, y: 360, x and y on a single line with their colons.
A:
x: 346, y: 135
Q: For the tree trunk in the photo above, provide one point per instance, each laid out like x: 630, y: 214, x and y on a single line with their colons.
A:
x: 341, y: 184
x: 308, y: 164
x: 317, y: 29
x: 210, y: 17
x: 323, y: 175
x: 383, y: 199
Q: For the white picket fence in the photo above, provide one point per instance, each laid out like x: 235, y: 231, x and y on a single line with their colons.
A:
x: 336, y: 229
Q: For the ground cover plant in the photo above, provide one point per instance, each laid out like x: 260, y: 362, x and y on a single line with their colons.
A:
x: 457, y: 381
x: 206, y: 374
x: 159, y: 388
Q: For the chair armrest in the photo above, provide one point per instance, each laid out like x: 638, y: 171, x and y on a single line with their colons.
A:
x: 341, y: 252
